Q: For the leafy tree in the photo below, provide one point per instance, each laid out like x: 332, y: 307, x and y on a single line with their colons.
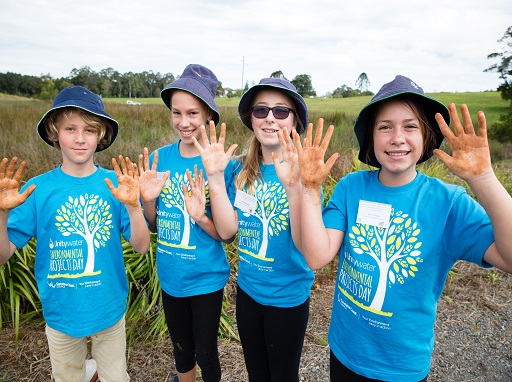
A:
x: 362, y: 82
x: 278, y: 74
x: 304, y: 86
x: 504, y: 68
x: 220, y: 90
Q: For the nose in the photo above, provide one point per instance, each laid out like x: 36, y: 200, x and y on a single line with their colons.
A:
x: 398, y: 136
x: 80, y: 136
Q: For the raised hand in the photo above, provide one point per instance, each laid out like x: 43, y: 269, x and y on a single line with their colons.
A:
x: 213, y: 156
x: 127, y: 191
x: 150, y: 185
x: 10, y: 183
x: 195, y: 200
x: 287, y: 170
x: 470, y: 152
x: 313, y: 169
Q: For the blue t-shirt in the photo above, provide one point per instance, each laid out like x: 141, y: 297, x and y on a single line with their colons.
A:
x: 390, y: 277
x: 271, y: 269
x: 189, y: 261
x: 79, y: 266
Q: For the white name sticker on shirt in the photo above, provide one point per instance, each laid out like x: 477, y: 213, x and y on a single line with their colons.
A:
x: 245, y: 201
x: 160, y: 175
x: 375, y: 214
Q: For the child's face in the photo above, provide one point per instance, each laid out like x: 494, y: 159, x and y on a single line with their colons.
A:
x: 398, y: 142
x: 77, y: 140
x: 266, y: 128
x: 188, y: 114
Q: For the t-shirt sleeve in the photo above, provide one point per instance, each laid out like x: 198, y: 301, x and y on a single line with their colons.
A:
x: 334, y: 214
x: 470, y: 229
x: 22, y: 226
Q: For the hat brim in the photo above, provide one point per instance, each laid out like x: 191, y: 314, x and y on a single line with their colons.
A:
x: 245, y: 105
x: 193, y: 87
x: 114, y: 125
x: 361, y: 126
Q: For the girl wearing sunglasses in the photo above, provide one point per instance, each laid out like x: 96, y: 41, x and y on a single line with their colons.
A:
x: 274, y: 281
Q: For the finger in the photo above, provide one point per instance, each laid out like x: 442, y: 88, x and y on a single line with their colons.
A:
x: 231, y: 150
x: 443, y: 157
x: 141, y: 156
x: 319, y: 131
x: 466, y: 120
x: 116, y: 167
x: 330, y: 162
x: 275, y: 159
x: 189, y: 177
x: 164, y: 179
x: 280, y: 137
x: 196, y: 176
x: 309, y: 135
x: 129, y: 167
x: 10, y: 168
x: 155, y: 162
x: 222, y: 136
x: 213, y: 137
x: 185, y: 190
x: 19, y: 173
x: 455, y: 121
x: 110, y: 185
x: 122, y: 164
x: 443, y: 126
x: 3, y: 166
x: 135, y: 172
x: 28, y: 191
x: 482, y: 125
x: 327, y: 138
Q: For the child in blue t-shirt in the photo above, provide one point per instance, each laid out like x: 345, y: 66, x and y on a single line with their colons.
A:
x: 77, y: 212
x: 191, y: 263
x: 274, y: 281
x: 399, y: 232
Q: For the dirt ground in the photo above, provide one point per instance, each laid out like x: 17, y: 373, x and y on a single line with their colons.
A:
x: 473, y: 337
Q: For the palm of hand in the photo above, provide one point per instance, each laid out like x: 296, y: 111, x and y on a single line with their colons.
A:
x: 214, y: 158
x: 470, y: 156
x: 313, y: 170
x: 9, y: 195
x: 149, y: 185
x: 127, y: 191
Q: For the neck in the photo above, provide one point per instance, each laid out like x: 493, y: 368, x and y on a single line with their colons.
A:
x: 78, y: 170
x: 267, y: 154
x: 187, y: 151
x: 396, y: 180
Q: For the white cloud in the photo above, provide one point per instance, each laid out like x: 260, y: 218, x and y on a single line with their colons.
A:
x: 442, y: 45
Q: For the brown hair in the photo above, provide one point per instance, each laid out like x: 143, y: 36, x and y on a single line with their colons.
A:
x: 103, y: 128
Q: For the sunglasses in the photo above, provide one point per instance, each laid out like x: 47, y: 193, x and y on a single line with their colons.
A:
x: 279, y: 112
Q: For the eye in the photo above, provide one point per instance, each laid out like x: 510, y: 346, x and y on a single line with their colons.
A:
x: 383, y: 127
x: 411, y: 126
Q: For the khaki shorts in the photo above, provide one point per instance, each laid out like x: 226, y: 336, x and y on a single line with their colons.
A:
x: 108, y: 348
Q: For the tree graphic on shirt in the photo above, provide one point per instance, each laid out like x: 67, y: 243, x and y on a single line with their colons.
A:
x: 90, y: 217
x: 395, y: 250
x: 272, y: 210
x: 173, y: 197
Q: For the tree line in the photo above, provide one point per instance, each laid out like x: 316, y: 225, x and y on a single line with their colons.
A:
x: 110, y: 83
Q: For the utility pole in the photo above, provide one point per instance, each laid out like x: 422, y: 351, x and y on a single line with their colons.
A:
x: 243, y: 66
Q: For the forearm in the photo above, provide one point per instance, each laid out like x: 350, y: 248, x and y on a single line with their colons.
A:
x: 224, y: 216
x: 150, y: 214
x: 498, y: 204
x: 316, y: 246
x: 6, y: 247
x: 208, y: 226
x: 294, y: 195
x: 139, y: 238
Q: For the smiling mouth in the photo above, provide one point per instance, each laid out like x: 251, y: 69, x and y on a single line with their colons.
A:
x: 270, y: 131
x: 186, y: 133
x: 397, y: 154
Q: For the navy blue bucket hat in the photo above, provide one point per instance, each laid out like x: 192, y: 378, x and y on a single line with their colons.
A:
x: 199, y: 81
x: 400, y: 85
x: 81, y: 98
x: 245, y: 105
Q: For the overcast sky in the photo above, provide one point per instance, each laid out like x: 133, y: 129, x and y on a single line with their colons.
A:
x: 442, y: 45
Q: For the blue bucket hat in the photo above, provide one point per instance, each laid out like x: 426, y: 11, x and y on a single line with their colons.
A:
x: 400, y: 85
x: 199, y: 81
x: 245, y: 105
x: 81, y: 98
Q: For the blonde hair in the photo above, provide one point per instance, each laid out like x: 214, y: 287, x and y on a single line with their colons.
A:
x: 103, y: 128
x: 250, y: 160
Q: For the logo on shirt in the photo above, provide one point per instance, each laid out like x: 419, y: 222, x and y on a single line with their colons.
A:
x: 272, y: 210
x: 85, y: 218
x: 392, y: 255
